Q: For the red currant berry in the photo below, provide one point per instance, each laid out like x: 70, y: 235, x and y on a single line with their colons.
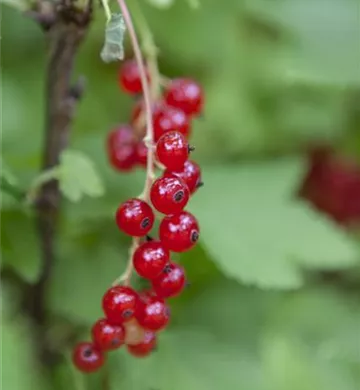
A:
x: 179, y: 232
x: 129, y: 77
x: 121, y: 148
x: 119, y: 304
x: 172, y: 150
x: 190, y: 174
x: 145, y: 348
x: 87, y: 357
x: 141, y: 153
x: 170, y: 282
x: 169, y: 195
x: 135, y: 217
x: 152, y: 313
x: 170, y: 119
x: 150, y: 259
x: 185, y: 94
x: 107, y: 336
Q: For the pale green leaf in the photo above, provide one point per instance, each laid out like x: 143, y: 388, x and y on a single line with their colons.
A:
x: 78, y: 176
x: 259, y: 233
x: 113, y: 49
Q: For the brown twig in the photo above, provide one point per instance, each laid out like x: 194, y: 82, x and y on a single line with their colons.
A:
x: 64, y: 34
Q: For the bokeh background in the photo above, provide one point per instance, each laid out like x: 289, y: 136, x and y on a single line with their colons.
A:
x: 274, y: 301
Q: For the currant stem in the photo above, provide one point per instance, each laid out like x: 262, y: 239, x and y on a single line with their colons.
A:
x: 126, y: 276
x: 149, y: 47
x: 105, y: 4
x: 149, y: 129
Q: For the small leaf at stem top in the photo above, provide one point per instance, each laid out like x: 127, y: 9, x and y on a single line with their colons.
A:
x: 113, y: 49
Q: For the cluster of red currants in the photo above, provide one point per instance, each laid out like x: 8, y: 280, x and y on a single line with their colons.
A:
x: 134, y: 318
x: 332, y: 185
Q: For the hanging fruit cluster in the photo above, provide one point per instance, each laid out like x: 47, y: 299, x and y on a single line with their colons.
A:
x: 332, y: 185
x: 134, y: 318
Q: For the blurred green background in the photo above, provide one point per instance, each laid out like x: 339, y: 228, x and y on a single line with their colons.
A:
x: 259, y: 315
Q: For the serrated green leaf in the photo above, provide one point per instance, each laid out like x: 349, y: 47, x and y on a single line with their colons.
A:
x: 78, y: 176
x: 258, y: 233
x: 113, y: 49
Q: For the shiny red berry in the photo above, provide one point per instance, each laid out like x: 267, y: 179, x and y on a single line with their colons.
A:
x: 185, y: 94
x: 152, y: 313
x: 179, y: 232
x: 190, y: 174
x: 107, y: 336
x: 141, y: 153
x: 145, y: 348
x: 121, y: 148
x: 87, y: 357
x: 170, y: 282
x: 172, y: 150
x: 119, y: 304
x: 129, y: 77
x: 150, y: 259
x: 170, y: 119
x: 135, y: 217
x: 169, y: 195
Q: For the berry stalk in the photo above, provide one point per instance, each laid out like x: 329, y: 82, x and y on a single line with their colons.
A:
x: 149, y: 127
x: 150, y: 49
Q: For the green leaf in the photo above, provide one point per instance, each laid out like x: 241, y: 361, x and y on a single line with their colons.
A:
x: 20, y: 5
x: 258, y: 233
x: 323, y: 32
x: 312, y: 342
x: 86, y: 267
x: 161, y: 3
x: 78, y: 176
x: 19, y: 369
x: 113, y: 49
x: 239, y: 322
x: 10, y: 189
x: 6, y: 174
x: 187, y: 359
x: 20, y: 244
